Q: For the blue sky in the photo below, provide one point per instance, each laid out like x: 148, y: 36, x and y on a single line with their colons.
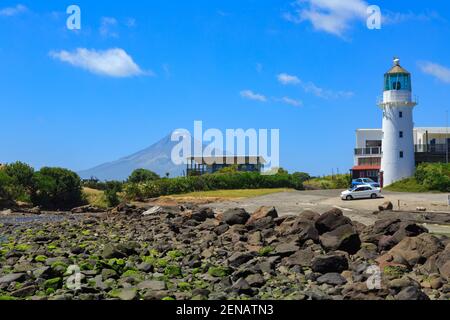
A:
x: 139, y: 69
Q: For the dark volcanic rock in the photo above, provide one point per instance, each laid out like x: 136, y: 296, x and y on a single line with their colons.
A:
x: 411, y: 293
x: 235, y: 216
x: 330, y: 263
x: 343, y: 238
x: 263, y: 212
x: 331, y: 220
x: 332, y: 279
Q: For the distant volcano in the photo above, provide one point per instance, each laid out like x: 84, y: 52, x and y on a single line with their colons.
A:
x: 156, y: 158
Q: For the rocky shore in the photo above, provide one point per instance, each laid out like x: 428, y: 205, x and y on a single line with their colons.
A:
x: 187, y: 252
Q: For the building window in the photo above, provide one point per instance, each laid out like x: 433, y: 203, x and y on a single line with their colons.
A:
x: 401, y: 134
x: 401, y: 154
x: 400, y: 114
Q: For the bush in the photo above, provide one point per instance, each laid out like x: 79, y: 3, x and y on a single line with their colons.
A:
x: 207, y: 182
x: 142, y: 175
x: 340, y: 181
x: 5, y: 186
x: 434, y: 176
x: 21, y: 178
x: 56, y: 188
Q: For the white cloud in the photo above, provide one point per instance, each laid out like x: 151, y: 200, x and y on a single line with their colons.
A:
x: 248, y: 94
x: 107, y: 27
x: 332, y: 16
x: 310, y: 87
x: 113, y: 62
x: 286, y: 79
x: 12, y: 11
x: 292, y: 102
x: 436, y: 70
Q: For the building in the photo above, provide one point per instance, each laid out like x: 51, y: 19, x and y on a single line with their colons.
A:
x: 391, y: 154
x: 204, y: 165
x: 430, y: 145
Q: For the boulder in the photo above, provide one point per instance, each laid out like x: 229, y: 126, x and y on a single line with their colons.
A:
x: 332, y: 278
x: 239, y: 258
x: 309, y: 215
x: 387, y: 206
x: 86, y: 209
x: 343, y: 238
x: 202, y: 214
x: 301, y: 258
x: 333, y: 262
x: 411, y: 293
x: 152, y: 285
x: 12, y: 277
x: 235, y: 216
x: 331, y: 220
x: 263, y: 212
x: 412, y: 251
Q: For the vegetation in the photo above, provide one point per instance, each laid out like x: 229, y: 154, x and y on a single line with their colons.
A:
x: 339, y: 181
x: 428, y: 177
x: 211, y: 182
x: 143, y: 175
x: 231, y: 194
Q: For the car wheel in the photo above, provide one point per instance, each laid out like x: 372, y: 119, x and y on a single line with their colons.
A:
x: 374, y: 196
x: 349, y: 198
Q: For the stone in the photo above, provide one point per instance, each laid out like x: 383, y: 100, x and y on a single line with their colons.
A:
x: 126, y: 294
x: 343, y: 238
x: 286, y: 249
x: 24, y: 292
x: 202, y: 214
x: 239, y: 258
x: 332, y: 278
x: 108, y: 273
x: 301, y: 258
x: 255, y: 280
x: 411, y: 293
x: 263, y: 212
x: 235, y: 216
x: 152, y: 285
x: 242, y: 287
x: 331, y: 220
x: 152, y: 211
x: 412, y: 251
x: 386, y: 206
x: 12, y: 277
x: 110, y: 251
x: 309, y: 215
x: 329, y: 263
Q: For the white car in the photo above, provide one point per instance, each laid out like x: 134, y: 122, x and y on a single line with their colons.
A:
x: 361, y: 192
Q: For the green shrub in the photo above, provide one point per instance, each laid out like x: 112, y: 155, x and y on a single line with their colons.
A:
x: 56, y: 188
x: 21, y: 176
x: 340, y: 181
x: 142, y: 175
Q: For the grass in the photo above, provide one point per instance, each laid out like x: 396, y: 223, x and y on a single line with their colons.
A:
x: 95, y: 197
x: 407, y: 185
x: 230, y: 194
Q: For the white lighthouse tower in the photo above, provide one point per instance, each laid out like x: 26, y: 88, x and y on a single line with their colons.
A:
x: 398, y: 161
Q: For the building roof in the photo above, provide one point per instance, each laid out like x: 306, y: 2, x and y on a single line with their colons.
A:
x: 436, y: 130
x: 359, y: 168
x: 397, y: 68
x: 229, y: 160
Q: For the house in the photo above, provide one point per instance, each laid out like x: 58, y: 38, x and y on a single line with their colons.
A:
x: 430, y: 145
x: 204, y: 165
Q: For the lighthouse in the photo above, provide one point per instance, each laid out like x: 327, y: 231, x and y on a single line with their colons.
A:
x: 398, y: 160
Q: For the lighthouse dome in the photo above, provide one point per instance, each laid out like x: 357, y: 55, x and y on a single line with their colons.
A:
x: 397, y: 78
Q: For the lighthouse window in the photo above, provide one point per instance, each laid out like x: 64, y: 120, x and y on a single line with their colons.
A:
x: 401, y: 154
x: 401, y: 134
x: 400, y: 114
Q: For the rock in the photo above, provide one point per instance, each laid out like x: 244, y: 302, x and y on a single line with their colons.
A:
x: 152, y: 211
x: 24, y: 292
x: 286, y: 249
x: 387, y: 206
x: 239, y: 258
x: 343, y: 238
x: 309, y: 215
x: 12, y: 277
x: 202, y: 214
x: 412, y: 251
x: 124, y: 294
x: 301, y: 258
x: 332, y: 279
x: 34, y: 210
x: 152, y: 285
x: 330, y: 263
x: 401, y: 283
x: 87, y: 209
x: 263, y: 212
x: 118, y: 251
x: 411, y: 293
x: 331, y: 220
x: 6, y: 212
x: 235, y: 216
x: 255, y: 280
x: 436, y: 283
x: 108, y: 273
x: 242, y: 287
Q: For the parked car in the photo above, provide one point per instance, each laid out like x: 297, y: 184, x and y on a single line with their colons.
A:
x: 361, y: 192
x: 365, y: 181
